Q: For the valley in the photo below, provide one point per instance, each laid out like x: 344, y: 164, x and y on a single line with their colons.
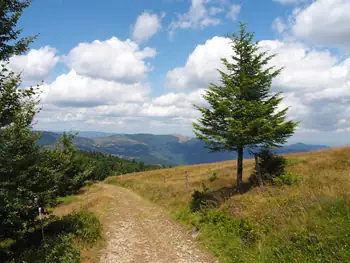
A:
x: 160, y: 149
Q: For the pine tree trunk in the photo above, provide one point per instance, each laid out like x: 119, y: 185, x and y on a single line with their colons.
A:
x: 240, y: 169
x: 258, y: 171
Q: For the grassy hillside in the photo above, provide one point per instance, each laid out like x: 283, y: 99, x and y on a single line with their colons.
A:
x: 306, y: 222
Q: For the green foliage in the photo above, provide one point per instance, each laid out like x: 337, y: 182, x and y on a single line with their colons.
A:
x: 287, y: 178
x: 63, y: 239
x: 272, y: 166
x: 202, y: 200
x: 84, y: 225
x: 107, y: 165
x: 243, y: 111
x: 213, y: 177
x: 58, y: 249
x: 11, y: 10
x: 198, y: 199
x: 24, y: 185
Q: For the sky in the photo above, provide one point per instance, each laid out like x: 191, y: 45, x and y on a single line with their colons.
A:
x: 138, y: 66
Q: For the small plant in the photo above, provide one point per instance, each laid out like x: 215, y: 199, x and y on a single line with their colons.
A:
x: 287, y: 178
x: 213, y: 177
x: 197, y: 200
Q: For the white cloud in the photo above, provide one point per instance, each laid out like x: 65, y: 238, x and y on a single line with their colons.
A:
x: 322, y: 22
x: 146, y: 26
x: 73, y: 90
x: 279, y: 25
x: 316, y: 83
x: 200, y: 68
x: 215, y: 10
x: 112, y: 59
x: 203, y: 13
x: 36, y: 65
x: 233, y: 12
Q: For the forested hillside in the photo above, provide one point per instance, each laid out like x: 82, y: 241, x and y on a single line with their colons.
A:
x: 162, y: 149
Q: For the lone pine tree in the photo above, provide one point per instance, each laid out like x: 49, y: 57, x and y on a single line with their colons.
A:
x: 242, y: 110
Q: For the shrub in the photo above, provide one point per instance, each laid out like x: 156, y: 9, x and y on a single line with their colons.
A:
x: 287, y: 178
x: 85, y: 226
x: 213, y: 177
x: 271, y: 166
x: 201, y: 200
x: 197, y: 200
x: 54, y: 250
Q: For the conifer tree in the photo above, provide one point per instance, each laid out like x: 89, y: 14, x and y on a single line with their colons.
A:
x: 242, y: 110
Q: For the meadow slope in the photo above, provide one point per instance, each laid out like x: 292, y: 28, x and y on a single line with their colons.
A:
x: 305, y: 222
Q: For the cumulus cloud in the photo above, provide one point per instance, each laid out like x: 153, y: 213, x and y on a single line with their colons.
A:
x: 200, y: 68
x: 203, y: 13
x: 323, y: 22
x: 112, y: 59
x: 315, y: 82
x: 146, y: 26
x: 36, y: 65
x: 73, y: 90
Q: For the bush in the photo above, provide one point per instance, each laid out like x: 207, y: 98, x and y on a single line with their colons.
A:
x: 82, y: 229
x: 54, y: 250
x: 287, y: 178
x: 85, y: 226
x: 271, y: 166
x: 213, y: 177
x: 201, y: 200
x: 197, y: 200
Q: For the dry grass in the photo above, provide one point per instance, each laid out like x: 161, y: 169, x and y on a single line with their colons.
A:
x: 276, y: 211
x: 324, y: 173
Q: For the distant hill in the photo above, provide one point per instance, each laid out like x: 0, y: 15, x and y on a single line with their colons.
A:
x: 160, y: 149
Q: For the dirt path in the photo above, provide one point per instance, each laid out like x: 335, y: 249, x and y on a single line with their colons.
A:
x: 141, y: 232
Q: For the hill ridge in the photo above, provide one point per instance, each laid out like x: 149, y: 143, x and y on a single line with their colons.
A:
x: 171, y: 149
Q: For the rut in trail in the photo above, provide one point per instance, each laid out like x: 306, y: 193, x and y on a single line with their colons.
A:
x: 141, y: 232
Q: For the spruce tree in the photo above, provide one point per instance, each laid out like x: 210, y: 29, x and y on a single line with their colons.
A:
x: 243, y: 111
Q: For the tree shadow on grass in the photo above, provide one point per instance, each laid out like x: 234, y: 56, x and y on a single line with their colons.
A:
x: 215, y: 198
x: 224, y: 193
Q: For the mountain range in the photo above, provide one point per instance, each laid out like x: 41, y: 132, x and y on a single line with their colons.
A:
x: 172, y: 149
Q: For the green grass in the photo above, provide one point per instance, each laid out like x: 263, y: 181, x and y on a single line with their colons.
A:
x: 112, y: 181
x: 67, y: 199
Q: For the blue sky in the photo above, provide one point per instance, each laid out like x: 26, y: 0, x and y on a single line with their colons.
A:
x: 63, y: 24
x: 138, y: 66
